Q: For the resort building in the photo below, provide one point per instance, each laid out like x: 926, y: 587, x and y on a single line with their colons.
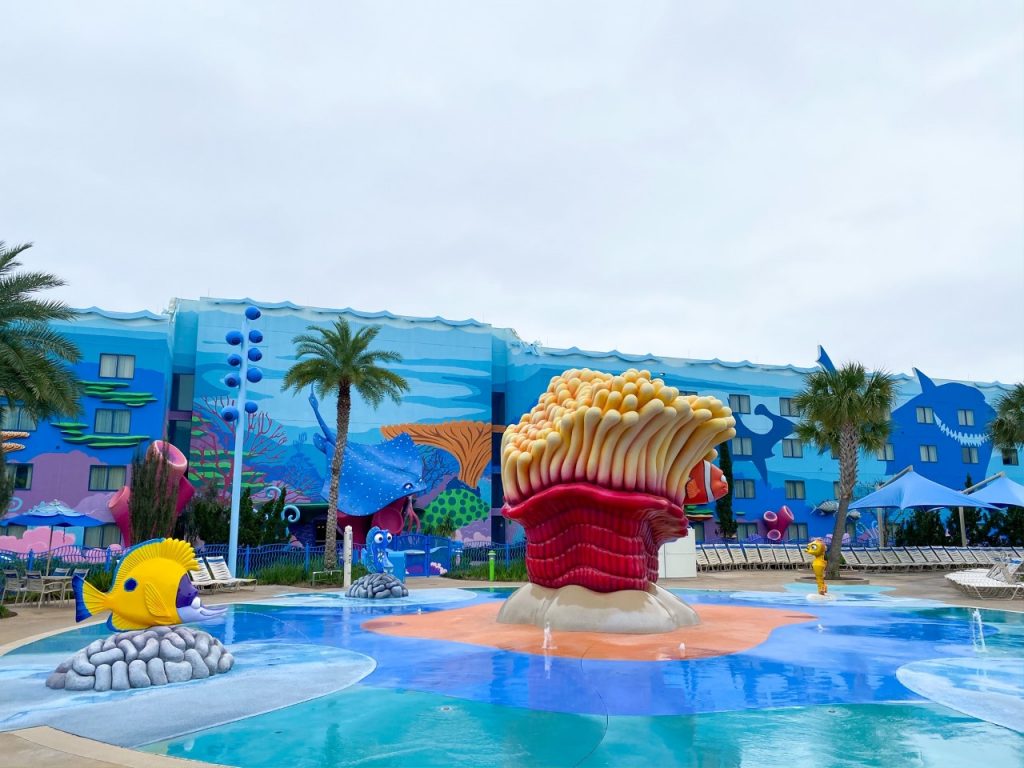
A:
x: 151, y: 376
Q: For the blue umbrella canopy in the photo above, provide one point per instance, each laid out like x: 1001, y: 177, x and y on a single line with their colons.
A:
x: 912, y: 490
x: 1002, y: 492
x: 54, y: 514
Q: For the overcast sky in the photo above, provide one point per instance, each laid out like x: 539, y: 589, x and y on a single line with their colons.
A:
x: 698, y: 179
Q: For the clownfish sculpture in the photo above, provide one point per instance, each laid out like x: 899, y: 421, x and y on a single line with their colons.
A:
x: 705, y: 484
x: 816, y: 549
x: 151, y: 588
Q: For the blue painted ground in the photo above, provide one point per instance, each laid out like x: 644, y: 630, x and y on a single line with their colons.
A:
x: 832, y: 686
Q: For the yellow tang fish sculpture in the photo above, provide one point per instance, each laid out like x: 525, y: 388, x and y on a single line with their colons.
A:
x: 151, y: 588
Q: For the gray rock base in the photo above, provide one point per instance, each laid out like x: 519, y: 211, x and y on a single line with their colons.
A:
x: 142, y: 658
x: 577, y: 609
x: 377, y: 586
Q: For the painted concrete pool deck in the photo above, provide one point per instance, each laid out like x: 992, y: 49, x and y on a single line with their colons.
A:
x: 42, y: 747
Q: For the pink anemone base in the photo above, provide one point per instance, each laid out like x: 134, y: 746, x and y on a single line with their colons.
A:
x: 604, y: 540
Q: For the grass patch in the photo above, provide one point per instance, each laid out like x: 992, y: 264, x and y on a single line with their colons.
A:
x: 5, y: 613
x: 287, y: 574
x: 515, y: 572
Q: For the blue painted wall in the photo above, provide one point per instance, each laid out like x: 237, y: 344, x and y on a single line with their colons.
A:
x: 472, y: 372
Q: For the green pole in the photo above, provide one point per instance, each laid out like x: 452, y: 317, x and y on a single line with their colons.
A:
x: 490, y: 563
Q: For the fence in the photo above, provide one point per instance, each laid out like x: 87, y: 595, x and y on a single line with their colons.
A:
x: 450, y: 555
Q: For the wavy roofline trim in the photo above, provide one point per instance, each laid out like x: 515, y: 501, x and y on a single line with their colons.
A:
x: 680, y: 361
x: 348, y: 311
x: 142, y: 314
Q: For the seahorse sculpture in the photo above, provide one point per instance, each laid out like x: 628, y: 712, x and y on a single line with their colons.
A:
x: 816, y: 549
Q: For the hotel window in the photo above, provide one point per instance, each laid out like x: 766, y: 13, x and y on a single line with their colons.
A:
x: 20, y: 475
x: 970, y: 454
x: 795, y: 489
x: 796, y: 532
x: 929, y: 454
x: 886, y: 453
x: 739, y: 403
x: 925, y: 416
x: 792, y: 448
x: 117, y: 366
x: 698, y: 532
x: 17, y: 531
x: 102, y: 536
x: 743, y: 489
x: 17, y: 419
x: 107, y: 478
x: 835, y: 490
x: 965, y: 418
x: 746, y: 530
x: 687, y: 392
x: 742, y: 446
x: 786, y: 407
x: 113, y: 422
x: 183, y: 387
x: 1010, y: 458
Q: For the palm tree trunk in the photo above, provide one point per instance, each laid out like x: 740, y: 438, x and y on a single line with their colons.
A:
x: 847, y: 479
x: 337, y: 461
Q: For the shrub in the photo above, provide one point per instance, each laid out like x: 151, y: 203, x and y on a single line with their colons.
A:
x: 480, y: 572
x: 101, y: 578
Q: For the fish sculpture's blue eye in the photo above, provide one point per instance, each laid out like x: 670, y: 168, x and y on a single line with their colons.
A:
x: 130, y: 585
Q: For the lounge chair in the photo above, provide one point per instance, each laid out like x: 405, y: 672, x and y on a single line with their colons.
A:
x: 219, y: 569
x: 999, y: 581
x: 203, y: 581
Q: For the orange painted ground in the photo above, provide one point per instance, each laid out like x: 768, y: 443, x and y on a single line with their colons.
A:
x: 723, y: 630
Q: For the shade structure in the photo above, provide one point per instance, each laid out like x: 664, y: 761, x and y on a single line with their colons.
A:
x: 1001, y: 492
x: 54, y: 514
x: 912, y: 490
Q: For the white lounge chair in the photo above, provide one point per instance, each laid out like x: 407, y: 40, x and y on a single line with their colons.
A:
x: 998, y: 582
x: 219, y: 569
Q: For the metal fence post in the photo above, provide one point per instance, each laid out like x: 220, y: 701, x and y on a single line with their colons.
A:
x: 106, y: 565
x: 306, y: 565
x: 508, y: 556
x: 247, y: 550
x: 31, y: 561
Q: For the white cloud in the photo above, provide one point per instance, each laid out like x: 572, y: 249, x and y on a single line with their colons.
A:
x: 732, y: 180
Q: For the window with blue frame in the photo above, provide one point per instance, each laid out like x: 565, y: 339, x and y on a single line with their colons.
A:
x: 796, y: 532
x: 107, y: 478
x: 742, y: 446
x: 743, y: 489
x: 117, y: 366
x: 747, y: 530
x: 787, y: 408
x: 739, y: 403
x: 1011, y: 458
x: 792, y: 448
x: 929, y: 454
x: 17, y: 419
x: 970, y: 454
x: 925, y: 415
x: 20, y: 475
x: 965, y: 417
x: 102, y: 536
x: 111, y: 421
x: 795, y: 489
x: 886, y: 453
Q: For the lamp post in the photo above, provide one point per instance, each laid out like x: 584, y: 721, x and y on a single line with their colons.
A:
x: 243, y: 339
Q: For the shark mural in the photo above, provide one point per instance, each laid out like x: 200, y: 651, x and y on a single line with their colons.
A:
x: 950, y: 418
x: 762, y: 443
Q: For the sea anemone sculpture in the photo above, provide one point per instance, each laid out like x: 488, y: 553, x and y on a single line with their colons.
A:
x: 597, y: 475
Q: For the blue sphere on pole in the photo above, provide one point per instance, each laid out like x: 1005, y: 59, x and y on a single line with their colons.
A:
x: 255, y: 336
x: 234, y: 338
x: 254, y: 375
x: 251, y: 407
x: 255, y: 354
x: 229, y: 414
x: 232, y: 380
x: 253, y: 313
x: 234, y: 360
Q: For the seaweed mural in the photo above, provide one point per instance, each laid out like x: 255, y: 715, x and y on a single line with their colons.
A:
x: 468, y: 441
x: 299, y: 474
x: 212, y: 457
x: 115, y: 392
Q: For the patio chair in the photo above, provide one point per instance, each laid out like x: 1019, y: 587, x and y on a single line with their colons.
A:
x: 14, y: 586
x: 37, y: 584
x: 219, y: 569
x: 203, y: 581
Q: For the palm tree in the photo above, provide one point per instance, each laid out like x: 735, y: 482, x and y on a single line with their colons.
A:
x: 1006, y: 430
x: 845, y: 410
x: 34, y: 358
x: 336, y: 361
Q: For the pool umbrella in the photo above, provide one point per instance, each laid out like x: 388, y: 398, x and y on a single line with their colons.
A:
x: 912, y: 490
x: 908, y: 490
x: 1001, y: 492
x: 54, y: 514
